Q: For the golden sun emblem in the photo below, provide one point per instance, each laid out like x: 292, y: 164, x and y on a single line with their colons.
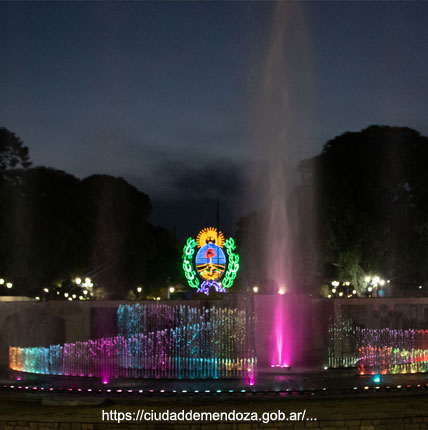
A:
x: 210, y: 235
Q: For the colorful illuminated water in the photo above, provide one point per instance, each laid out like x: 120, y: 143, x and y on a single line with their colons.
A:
x: 377, y: 351
x: 154, y: 341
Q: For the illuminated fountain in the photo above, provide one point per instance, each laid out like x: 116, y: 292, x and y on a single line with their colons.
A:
x: 377, y: 350
x: 154, y: 341
x: 280, y: 124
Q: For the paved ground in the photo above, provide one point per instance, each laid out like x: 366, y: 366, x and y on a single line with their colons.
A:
x: 326, y: 396
x: 89, y: 409
x: 334, y: 382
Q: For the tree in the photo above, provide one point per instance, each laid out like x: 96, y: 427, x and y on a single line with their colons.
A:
x: 13, y: 153
x: 165, y: 265
x: 115, y: 227
x: 39, y: 227
x: 54, y: 227
x: 373, y: 203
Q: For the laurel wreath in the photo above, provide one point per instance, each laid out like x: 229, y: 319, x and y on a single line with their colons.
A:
x: 233, y: 266
x: 189, y: 272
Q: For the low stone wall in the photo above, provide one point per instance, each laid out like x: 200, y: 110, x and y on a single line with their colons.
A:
x: 398, y: 313
x: 41, y: 324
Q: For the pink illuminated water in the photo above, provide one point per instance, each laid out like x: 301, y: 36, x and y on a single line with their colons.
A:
x: 281, y: 129
x: 279, y: 350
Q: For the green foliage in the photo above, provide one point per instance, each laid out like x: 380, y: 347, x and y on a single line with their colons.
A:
x: 189, y: 272
x: 233, y: 263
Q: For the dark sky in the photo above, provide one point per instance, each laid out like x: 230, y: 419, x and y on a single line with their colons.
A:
x: 160, y: 93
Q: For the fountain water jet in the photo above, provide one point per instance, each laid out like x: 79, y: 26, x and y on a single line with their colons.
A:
x: 280, y: 118
x: 155, y: 341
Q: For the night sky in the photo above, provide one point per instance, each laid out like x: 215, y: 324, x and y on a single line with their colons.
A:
x: 160, y: 93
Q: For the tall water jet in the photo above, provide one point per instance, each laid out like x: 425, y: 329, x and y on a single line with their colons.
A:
x: 281, y: 125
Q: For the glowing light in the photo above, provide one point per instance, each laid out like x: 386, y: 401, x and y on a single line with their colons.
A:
x: 1, y: 281
x: 37, y: 298
x: 46, y: 290
x: 347, y: 284
x: 233, y: 263
x: 207, y: 285
x: 335, y: 283
x: 85, y: 292
x: 78, y: 281
x: 333, y: 290
x: 189, y: 272
x: 378, y: 351
x: 9, y: 285
x: 210, y: 235
x: 382, y: 282
x: 329, y: 296
x: 255, y: 289
x: 367, y: 278
x: 376, y: 379
x: 180, y: 352
x: 376, y: 280
x: 420, y: 287
x: 74, y: 296
x: 354, y: 291
x: 139, y: 289
x: 211, y: 261
x: 65, y: 295
x: 340, y: 294
x: 369, y: 289
x: 281, y: 290
x: 171, y: 289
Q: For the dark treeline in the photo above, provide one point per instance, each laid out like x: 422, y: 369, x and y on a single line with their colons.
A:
x: 361, y: 208
x: 54, y: 227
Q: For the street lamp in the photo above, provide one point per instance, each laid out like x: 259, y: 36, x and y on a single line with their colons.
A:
x: 170, y: 291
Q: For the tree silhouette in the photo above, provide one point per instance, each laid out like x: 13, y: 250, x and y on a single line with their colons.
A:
x: 372, y: 201
x: 13, y: 153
